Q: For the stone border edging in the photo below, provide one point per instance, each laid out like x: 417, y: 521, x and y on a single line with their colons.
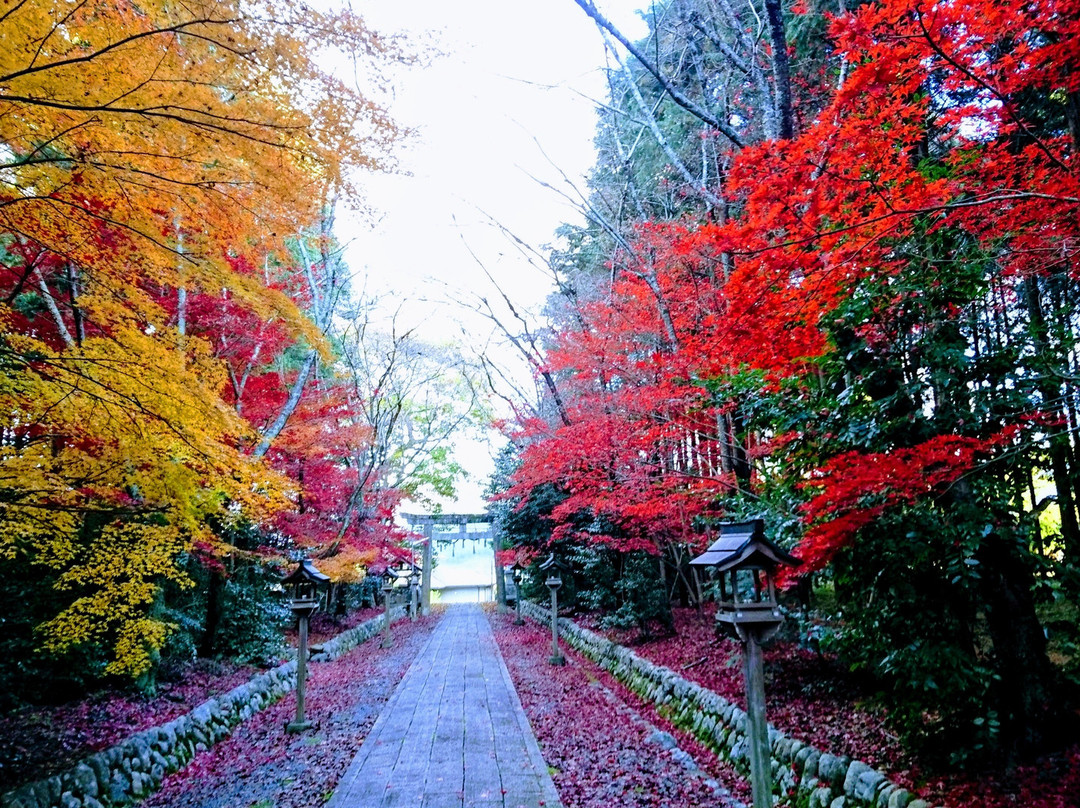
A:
x: 803, y: 776
x: 134, y: 768
x: 347, y: 640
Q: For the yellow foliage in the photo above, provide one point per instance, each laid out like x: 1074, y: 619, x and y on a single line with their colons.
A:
x: 143, y: 144
x: 140, y: 456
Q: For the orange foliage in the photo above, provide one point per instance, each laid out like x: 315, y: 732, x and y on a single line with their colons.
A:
x: 143, y: 148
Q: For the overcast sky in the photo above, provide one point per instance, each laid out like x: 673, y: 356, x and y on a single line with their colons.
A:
x: 509, y: 99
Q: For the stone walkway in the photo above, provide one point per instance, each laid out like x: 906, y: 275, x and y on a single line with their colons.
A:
x: 453, y: 735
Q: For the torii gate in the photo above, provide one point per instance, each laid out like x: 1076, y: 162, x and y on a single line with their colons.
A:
x: 425, y: 524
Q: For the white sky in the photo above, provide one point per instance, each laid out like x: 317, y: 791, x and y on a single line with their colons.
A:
x: 515, y: 83
x: 509, y: 97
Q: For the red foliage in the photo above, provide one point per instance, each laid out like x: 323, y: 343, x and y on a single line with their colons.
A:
x: 522, y: 556
x: 341, y: 509
x: 639, y: 450
x: 854, y: 489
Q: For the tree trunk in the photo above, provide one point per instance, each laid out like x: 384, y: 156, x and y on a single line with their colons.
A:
x: 181, y: 311
x: 500, y: 578
x: 289, y: 406
x: 781, y: 69
x: 50, y: 303
x: 1059, y: 448
x: 1072, y: 115
x: 73, y: 297
x: 339, y: 593
x: 742, y: 466
x: 1070, y: 529
x: 1019, y: 646
x: 215, y: 608
x: 671, y: 556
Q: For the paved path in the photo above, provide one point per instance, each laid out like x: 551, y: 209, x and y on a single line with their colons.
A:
x: 453, y: 735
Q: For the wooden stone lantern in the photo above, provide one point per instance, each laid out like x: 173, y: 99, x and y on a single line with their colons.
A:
x: 553, y: 567
x: 302, y: 585
x: 407, y: 576
x: 415, y: 577
x: 388, y: 604
x: 746, y: 564
x: 518, y: 573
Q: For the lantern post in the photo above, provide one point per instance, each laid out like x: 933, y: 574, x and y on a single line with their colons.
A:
x: 388, y: 591
x: 746, y: 563
x: 426, y: 564
x: 553, y: 567
x: 302, y: 584
x: 518, y: 621
x: 415, y: 577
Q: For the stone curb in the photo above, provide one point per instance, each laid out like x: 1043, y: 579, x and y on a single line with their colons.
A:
x: 135, y: 767
x: 803, y: 776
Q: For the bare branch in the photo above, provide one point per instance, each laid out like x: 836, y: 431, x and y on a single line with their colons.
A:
x: 676, y: 95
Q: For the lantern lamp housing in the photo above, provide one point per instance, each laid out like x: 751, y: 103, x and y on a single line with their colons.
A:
x: 746, y: 564
x: 553, y: 567
x: 401, y: 575
x: 303, y: 584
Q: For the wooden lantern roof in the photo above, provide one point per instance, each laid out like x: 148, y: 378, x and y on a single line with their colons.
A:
x: 404, y: 569
x: 304, y: 573
x: 553, y: 566
x: 742, y: 545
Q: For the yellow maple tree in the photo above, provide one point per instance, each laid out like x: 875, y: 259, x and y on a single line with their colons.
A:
x: 141, y: 147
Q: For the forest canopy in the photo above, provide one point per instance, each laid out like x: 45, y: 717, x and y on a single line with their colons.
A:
x: 828, y: 277
x: 169, y: 278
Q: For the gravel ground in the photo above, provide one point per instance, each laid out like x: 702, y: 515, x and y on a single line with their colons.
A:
x: 603, y: 746
x: 260, y: 766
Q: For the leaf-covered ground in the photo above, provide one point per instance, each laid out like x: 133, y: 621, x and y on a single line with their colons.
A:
x: 603, y: 746
x: 807, y: 694
x: 810, y: 697
x: 39, y: 741
x: 600, y: 739
x: 324, y: 627
x: 260, y: 765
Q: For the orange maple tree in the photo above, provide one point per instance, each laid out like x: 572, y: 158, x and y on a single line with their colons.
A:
x: 145, y: 148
